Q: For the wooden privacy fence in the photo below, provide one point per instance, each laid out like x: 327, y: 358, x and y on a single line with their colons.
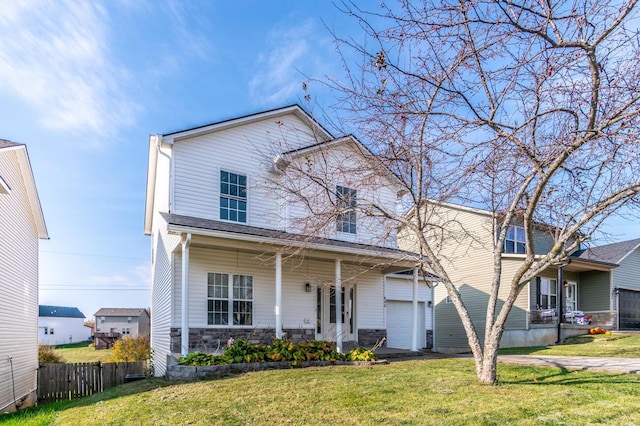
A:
x: 58, y: 382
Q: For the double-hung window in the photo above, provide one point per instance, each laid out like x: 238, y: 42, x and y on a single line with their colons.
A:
x: 233, y: 197
x: 346, y: 203
x: 515, y: 240
x: 229, y: 299
x: 548, y: 293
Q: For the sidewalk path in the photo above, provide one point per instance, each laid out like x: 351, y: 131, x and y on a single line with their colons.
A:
x: 618, y: 365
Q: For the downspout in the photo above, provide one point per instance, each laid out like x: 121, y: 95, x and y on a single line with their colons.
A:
x: 184, y: 341
x: 414, y: 327
x: 338, y: 282
x: 278, y: 307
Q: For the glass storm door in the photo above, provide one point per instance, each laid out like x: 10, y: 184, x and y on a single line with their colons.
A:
x: 570, y: 297
x: 327, y: 313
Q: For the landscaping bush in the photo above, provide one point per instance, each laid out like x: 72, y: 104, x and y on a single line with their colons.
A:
x: 130, y: 349
x: 281, y: 350
x: 47, y: 354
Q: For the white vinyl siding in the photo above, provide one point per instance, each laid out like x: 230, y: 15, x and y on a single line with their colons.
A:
x: 18, y: 285
x: 162, y: 300
x: 299, y: 306
x: 67, y: 330
x: 245, y: 150
x: 341, y: 165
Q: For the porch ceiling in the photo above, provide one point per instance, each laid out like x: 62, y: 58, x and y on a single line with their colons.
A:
x: 581, y: 265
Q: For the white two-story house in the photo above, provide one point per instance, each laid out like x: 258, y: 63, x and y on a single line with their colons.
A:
x: 22, y: 226
x: 246, y: 241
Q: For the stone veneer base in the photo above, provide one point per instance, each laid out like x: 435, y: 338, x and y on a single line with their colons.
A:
x: 189, y: 373
x: 213, y: 339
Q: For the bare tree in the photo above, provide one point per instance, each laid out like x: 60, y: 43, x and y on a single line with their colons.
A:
x: 529, y: 110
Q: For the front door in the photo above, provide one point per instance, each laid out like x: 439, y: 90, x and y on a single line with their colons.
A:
x: 328, y: 313
x: 570, y: 296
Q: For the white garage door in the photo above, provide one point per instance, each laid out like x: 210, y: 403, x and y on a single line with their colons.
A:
x: 400, y: 323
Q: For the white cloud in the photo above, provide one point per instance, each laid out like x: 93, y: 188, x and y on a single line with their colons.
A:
x: 290, y: 54
x: 55, y: 56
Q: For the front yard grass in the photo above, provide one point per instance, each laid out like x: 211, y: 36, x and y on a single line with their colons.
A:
x: 621, y: 345
x: 82, y: 352
x: 426, y: 392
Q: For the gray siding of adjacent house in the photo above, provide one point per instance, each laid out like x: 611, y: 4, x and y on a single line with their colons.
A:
x: 593, y: 291
x: 627, y: 275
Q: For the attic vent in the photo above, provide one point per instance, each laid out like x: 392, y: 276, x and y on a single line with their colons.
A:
x: 279, y: 164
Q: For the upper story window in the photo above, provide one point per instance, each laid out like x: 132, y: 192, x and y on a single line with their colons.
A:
x: 233, y: 197
x: 515, y: 240
x: 346, y: 199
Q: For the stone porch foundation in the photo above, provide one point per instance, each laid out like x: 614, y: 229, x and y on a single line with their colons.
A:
x: 211, y: 340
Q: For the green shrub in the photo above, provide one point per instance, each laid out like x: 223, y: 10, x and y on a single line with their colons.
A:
x: 47, y: 354
x: 200, y: 359
x: 130, y: 349
x: 281, y: 350
x: 360, y: 354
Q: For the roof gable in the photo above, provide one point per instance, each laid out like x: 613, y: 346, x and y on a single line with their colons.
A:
x: 611, y: 253
x: 120, y: 312
x: 29, y: 182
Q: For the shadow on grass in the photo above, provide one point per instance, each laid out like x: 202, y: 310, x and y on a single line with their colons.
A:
x: 140, y: 386
x: 560, y: 376
x: 85, y: 344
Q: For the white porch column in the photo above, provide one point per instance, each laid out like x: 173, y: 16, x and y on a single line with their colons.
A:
x: 278, y: 296
x: 338, y: 281
x: 184, y: 335
x: 414, y: 334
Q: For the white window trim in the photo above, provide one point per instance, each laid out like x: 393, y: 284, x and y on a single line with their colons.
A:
x: 220, y: 195
x: 355, y: 213
x: 230, y: 300
x: 548, y: 281
x: 515, y: 240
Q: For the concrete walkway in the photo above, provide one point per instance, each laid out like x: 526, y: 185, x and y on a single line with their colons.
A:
x: 588, y: 363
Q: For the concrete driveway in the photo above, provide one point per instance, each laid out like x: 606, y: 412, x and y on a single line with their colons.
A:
x: 617, y: 365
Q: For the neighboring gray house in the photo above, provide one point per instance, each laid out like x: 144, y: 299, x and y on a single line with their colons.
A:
x: 21, y: 227
x: 131, y: 322
x: 58, y: 325
x: 614, y: 294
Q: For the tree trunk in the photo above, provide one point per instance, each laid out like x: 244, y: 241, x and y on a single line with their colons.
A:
x: 488, y: 370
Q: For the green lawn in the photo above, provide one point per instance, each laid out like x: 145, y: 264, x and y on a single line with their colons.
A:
x: 609, y: 345
x: 406, y: 392
x: 82, y: 352
x: 425, y: 392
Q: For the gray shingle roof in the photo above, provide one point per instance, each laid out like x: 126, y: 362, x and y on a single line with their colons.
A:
x: 285, y: 237
x: 119, y: 312
x: 8, y: 144
x: 59, y: 311
x: 611, y: 253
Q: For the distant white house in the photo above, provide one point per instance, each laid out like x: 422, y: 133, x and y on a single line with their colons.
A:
x: 21, y: 226
x: 58, y: 325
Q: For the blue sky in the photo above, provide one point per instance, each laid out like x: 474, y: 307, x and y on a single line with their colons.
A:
x: 83, y: 84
